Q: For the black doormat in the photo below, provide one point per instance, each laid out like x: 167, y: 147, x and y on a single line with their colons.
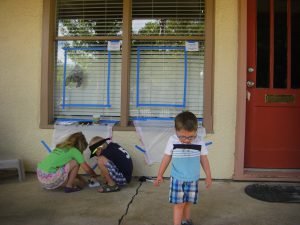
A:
x: 274, y: 192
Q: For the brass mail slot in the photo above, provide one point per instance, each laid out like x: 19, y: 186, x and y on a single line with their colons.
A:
x: 279, y: 98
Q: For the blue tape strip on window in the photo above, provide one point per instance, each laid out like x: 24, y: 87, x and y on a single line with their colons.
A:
x: 139, y: 49
x: 158, y: 118
x: 107, y: 105
x: 84, y: 120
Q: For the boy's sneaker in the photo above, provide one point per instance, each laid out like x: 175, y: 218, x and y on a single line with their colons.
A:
x: 187, y: 222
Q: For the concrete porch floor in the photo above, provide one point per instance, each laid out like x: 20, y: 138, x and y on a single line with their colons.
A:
x: 26, y: 203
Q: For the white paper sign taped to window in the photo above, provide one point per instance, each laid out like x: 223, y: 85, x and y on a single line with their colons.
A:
x: 114, y: 45
x: 192, y: 46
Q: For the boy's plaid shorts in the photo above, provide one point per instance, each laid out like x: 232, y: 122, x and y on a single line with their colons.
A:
x: 115, y: 174
x: 183, y: 191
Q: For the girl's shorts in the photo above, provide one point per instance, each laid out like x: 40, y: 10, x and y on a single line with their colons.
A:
x: 183, y: 191
x: 115, y: 174
x: 53, y: 180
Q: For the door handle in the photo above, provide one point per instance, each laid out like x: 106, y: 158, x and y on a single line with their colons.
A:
x: 250, y: 70
x: 250, y: 83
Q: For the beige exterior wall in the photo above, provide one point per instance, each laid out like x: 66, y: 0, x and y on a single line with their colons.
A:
x: 20, y: 77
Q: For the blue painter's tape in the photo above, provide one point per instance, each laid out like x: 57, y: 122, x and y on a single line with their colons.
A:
x: 208, y: 143
x: 138, y: 78
x: 161, y: 105
x: 85, y: 48
x: 84, y: 120
x: 139, y: 148
x: 88, y: 105
x: 72, y: 119
x: 158, y: 118
x: 64, y: 80
x: 107, y: 105
x: 108, y: 80
x: 161, y: 47
x: 46, y: 146
x: 138, y: 104
x: 185, y: 79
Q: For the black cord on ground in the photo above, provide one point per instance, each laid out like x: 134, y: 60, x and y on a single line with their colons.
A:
x: 136, y: 192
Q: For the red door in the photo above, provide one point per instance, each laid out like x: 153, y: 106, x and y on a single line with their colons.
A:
x: 273, y: 84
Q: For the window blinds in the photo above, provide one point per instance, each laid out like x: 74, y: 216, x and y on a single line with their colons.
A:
x: 166, y: 78
x: 89, y: 17
x: 88, y: 81
x: 168, y: 17
x: 159, y: 74
x: 98, y: 69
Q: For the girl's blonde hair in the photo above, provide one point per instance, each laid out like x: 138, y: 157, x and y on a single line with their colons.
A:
x: 76, y: 140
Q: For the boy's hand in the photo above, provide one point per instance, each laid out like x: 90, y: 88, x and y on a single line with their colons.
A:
x: 158, y: 180
x: 208, y: 182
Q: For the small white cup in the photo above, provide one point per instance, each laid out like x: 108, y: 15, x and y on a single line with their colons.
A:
x: 96, y: 118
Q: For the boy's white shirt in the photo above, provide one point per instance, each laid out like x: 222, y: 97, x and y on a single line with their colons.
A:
x: 174, y: 140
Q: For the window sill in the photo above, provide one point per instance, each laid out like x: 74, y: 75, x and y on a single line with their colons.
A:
x: 115, y: 128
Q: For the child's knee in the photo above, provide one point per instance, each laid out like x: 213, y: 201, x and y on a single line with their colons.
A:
x: 179, y: 205
x: 102, y: 160
x: 73, y: 163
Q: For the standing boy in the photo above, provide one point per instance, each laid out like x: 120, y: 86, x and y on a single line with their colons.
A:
x: 187, y: 151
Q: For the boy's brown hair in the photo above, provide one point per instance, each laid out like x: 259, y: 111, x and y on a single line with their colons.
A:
x: 186, y: 121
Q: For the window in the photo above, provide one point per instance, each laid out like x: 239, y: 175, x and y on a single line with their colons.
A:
x: 161, y: 68
x: 87, y: 75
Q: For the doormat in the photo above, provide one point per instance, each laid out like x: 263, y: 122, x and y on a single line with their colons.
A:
x: 274, y: 192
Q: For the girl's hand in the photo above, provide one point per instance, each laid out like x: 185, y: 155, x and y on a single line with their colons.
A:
x: 158, y: 180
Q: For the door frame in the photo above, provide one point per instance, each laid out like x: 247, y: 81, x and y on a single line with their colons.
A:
x: 240, y: 173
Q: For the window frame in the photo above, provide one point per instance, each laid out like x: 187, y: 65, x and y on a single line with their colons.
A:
x: 48, y: 52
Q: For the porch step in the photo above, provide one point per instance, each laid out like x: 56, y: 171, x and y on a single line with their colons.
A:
x: 14, y: 163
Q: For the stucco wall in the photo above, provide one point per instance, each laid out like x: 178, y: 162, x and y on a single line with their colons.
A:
x: 20, y: 69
